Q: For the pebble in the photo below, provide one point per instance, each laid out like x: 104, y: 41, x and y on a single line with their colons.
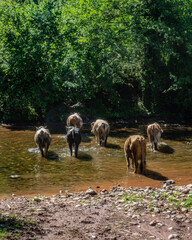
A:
x: 185, y: 191
x: 91, y: 192
x: 136, y: 234
x: 156, y: 210
x: 170, y: 228
x: 179, y: 217
x: 104, y: 191
x: 173, y: 236
x: 153, y: 223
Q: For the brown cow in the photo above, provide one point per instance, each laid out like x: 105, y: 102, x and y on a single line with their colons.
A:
x: 42, y: 139
x: 100, y: 129
x: 75, y: 120
x: 135, y: 148
x: 154, y: 132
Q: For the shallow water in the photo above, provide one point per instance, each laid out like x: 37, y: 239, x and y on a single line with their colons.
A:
x: 24, y: 172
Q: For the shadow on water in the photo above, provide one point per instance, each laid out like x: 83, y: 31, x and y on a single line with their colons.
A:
x: 154, y: 175
x: 52, y: 156
x: 82, y: 156
x: 166, y: 149
x: 113, y: 146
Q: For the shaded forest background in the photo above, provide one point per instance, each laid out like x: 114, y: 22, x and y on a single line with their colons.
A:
x: 107, y: 58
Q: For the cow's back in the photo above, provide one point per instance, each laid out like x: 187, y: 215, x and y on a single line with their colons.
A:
x: 136, y: 144
x: 154, y: 131
x: 75, y: 120
x: 101, y: 126
x: 44, y: 138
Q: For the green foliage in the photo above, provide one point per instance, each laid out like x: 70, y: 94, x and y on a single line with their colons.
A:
x: 110, y: 58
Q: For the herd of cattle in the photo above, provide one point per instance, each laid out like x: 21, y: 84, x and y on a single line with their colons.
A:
x: 134, y: 147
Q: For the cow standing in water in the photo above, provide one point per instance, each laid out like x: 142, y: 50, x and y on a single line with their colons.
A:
x: 100, y: 129
x: 154, y: 132
x: 73, y: 139
x: 135, y: 149
x: 74, y: 120
x: 43, y: 140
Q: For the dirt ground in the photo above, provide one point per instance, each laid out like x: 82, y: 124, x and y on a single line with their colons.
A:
x: 132, y: 213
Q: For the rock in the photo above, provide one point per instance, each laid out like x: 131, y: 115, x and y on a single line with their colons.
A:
x: 179, y: 217
x: 14, y: 176
x: 156, y: 210
x: 113, y: 189
x: 78, y: 205
x: 153, y: 223
x: 170, y: 228
x: 133, y: 223
x: 189, y: 186
x: 185, y: 191
x: 91, y: 192
x: 136, y: 234
x: 173, y: 236
x: 169, y: 182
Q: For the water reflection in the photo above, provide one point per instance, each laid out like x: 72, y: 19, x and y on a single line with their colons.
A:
x: 95, y: 165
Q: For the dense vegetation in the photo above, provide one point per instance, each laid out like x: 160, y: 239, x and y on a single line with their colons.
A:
x: 117, y: 58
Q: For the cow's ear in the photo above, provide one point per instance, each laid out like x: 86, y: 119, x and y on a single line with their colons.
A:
x: 37, y: 128
x: 92, y: 124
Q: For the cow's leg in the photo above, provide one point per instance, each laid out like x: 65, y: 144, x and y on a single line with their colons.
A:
x: 155, y: 144
x: 76, y: 149
x: 133, y: 160
x: 105, y: 140
x: 41, y: 150
x: 136, y: 166
x: 46, y: 150
x: 143, y: 164
x: 136, y: 163
x: 128, y: 162
x: 70, y: 147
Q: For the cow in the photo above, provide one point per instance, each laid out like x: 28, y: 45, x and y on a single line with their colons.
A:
x: 154, y: 132
x: 42, y: 139
x: 135, y: 149
x: 100, y: 129
x: 74, y: 120
x: 73, y: 139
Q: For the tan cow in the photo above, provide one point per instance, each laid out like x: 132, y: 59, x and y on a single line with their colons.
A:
x: 43, y: 139
x: 135, y: 149
x: 100, y: 129
x: 75, y: 120
x: 154, y: 132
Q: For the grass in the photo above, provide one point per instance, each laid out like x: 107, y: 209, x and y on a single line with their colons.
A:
x: 133, y: 198
x: 188, y: 202
x: 175, y: 199
x: 14, y: 227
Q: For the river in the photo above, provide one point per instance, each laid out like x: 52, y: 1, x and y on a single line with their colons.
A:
x: 24, y: 172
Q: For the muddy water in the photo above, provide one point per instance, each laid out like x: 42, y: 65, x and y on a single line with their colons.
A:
x: 24, y: 172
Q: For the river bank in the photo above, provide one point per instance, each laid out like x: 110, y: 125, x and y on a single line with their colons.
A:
x: 121, y: 213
